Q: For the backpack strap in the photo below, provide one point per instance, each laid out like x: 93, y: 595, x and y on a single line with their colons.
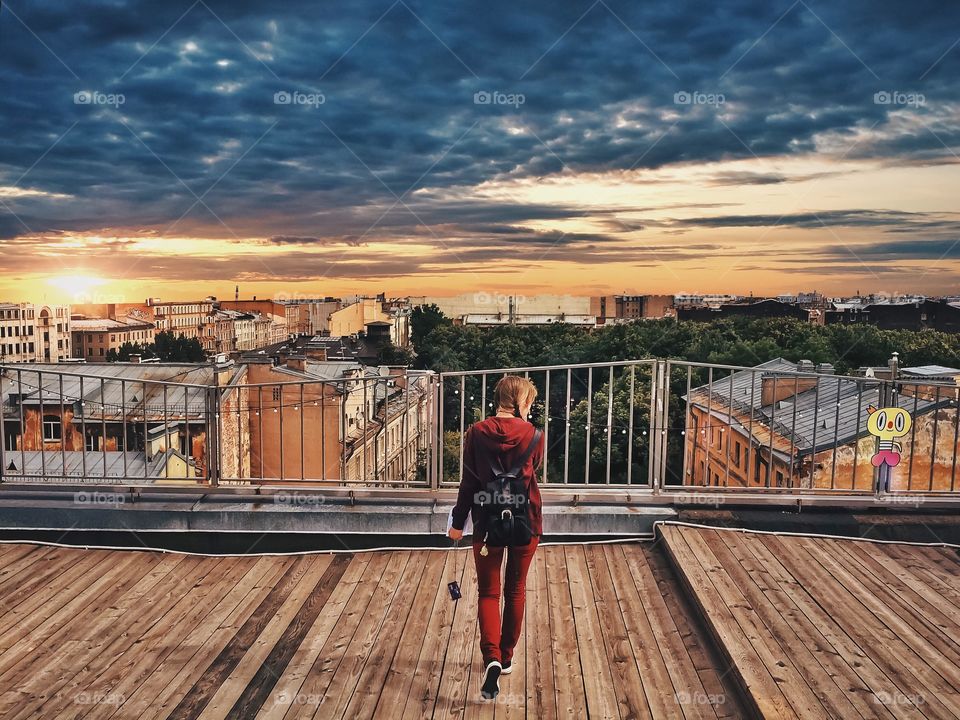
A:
x: 527, y: 453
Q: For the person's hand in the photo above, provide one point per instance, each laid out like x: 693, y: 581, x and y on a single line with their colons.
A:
x: 454, y: 534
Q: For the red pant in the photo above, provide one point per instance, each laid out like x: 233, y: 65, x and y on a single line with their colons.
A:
x: 496, y: 642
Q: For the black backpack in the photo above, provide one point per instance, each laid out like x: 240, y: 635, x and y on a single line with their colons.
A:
x: 504, y: 503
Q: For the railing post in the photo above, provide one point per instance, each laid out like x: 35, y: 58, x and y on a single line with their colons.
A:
x: 3, y: 432
x: 657, y: 394
x: 664, y: 399
x: 435, y: 433
x: 213, y: 430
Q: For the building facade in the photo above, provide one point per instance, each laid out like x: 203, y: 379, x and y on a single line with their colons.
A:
x: 93, y: 339
x: 34, y: 333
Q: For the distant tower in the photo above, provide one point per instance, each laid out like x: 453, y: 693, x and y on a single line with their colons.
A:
x: 236, y: 292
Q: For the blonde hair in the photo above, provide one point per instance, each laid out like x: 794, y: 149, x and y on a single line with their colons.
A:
x: 512, y: 391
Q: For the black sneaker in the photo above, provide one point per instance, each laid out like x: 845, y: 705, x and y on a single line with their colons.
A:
x: 491, y: 681
x: 506, y: 668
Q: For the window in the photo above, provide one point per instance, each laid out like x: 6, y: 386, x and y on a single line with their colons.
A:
x: 52, y: 429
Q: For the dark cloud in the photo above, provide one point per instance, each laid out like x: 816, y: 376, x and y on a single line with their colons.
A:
x: 892, y: 220
x: 309, y: 124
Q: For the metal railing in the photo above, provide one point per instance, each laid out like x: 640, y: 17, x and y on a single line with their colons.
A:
x: 646, y: 427
x: 592, y: 435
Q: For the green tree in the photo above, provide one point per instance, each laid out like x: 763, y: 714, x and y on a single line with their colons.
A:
x: 390, y: 354
x: 423, y: 320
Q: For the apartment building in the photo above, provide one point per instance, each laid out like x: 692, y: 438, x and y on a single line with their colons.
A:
x: 94, y: 338
x: 34, y: 333
x: 285, y: 317
x: 774, y: 428
x: 623, y: 308
x: 341, y: 421
x: 186, y: 318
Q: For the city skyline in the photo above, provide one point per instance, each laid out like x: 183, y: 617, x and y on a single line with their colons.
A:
x: 177, y: 150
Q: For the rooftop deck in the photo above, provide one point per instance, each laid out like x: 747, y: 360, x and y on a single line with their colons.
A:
x: 131, y: 634
x: 700, y: 624
x: 814, y: 627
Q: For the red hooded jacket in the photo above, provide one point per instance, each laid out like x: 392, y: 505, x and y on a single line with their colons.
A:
x: 506, y: 437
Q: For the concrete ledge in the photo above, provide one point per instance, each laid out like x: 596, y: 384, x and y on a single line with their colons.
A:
x: 97, y: 510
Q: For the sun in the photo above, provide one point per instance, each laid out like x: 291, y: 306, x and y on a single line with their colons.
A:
x: 76, y: 288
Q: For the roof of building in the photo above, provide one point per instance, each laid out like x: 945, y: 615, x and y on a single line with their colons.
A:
x: 109, y: 389
x: 527, y: 319
x: 930, y: 370
x: 831, y: 413
x: 109, y: 324
x: 87, y: 465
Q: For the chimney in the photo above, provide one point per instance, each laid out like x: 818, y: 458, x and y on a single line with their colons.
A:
x: 825, y: 369
x: 774, y: 388
x: 316, y: 353
x: 297, y: 362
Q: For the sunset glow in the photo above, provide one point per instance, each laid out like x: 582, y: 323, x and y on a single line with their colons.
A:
x: 186, y: 163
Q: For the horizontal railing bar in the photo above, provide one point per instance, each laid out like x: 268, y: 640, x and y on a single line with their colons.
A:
x: 775, y: 371
x: 559, y: 494
x: 29, y: 368
x: 540, y: 368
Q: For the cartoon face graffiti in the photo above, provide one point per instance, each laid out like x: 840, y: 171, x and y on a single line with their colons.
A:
x: 887, y: 424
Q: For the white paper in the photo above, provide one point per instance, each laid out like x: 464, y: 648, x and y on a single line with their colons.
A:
x: 467, y: 526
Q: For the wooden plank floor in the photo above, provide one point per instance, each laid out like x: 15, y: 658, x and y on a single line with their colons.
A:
x: 136, y: 634
x: 816, y: 627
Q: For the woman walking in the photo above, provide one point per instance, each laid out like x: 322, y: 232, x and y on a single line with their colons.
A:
x: 501, y: 456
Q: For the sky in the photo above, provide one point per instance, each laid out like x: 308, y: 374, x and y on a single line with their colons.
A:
x: 180, y: 149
